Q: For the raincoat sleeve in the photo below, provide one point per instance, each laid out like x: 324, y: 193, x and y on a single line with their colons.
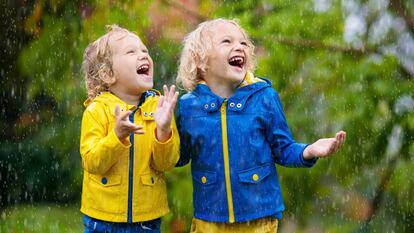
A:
x: 185, y: 145
x: 285, y: 150
x: 99, y: 148
x: 165, y: 154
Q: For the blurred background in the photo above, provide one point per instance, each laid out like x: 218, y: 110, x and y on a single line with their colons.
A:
x: 337, y: 64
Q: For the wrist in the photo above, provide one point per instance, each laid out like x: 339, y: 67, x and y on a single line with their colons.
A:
x: 163, y: 134
x: 308, y: 153
x: 120, y: 135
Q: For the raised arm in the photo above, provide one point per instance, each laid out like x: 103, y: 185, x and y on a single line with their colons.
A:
x: 166, y: 146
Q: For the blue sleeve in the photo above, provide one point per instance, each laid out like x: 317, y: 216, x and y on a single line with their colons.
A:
x: 285, y: 150
x: 185, y: 141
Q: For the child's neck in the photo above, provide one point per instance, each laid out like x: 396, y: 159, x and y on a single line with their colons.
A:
x: 222, y: 89
x: 127, y: 98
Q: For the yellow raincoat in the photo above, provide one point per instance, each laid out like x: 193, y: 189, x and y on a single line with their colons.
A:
x: 123, y: 181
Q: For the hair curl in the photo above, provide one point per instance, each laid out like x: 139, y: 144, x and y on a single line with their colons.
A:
x: 97, y: 62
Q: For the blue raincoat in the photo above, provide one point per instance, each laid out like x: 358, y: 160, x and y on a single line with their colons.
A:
x: 233, y: 145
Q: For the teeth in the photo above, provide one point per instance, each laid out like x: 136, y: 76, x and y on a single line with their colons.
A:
x: 143, y: 67
x: 238, y: 59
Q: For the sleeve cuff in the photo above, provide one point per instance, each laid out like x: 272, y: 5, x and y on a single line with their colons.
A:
x: 307, y: 163
x: 162, y: 143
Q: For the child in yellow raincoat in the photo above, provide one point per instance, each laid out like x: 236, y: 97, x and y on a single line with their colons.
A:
x: 128, y: 137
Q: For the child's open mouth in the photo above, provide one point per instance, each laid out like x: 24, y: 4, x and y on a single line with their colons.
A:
x: 143, y: 69
x: 237, y: 61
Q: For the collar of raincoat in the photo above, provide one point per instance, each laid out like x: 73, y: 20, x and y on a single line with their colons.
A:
x: 236, y: 102
x: 111, y: 100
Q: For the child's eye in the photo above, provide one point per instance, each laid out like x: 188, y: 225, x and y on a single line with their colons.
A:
x: 244, y: 43
x: 225, y: 41
x: 130, y: 51
x: 145, y: 51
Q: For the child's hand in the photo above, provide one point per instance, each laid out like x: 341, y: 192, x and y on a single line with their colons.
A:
x: 123, y: 127
x: 325, y: 147
x: 163, y: 114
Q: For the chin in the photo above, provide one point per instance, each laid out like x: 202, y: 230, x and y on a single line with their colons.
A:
x: 237, y: 77
x: 148, y: 86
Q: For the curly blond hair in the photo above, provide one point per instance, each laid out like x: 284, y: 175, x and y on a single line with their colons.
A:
x: 97, y: 62
x: 196, y: 48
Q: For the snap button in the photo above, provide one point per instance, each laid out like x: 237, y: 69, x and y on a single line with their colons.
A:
x: 145, y: 114
x: 239, y: 105
x: 206, y: 106
x: 255, y: 177
x: 104, y: 180
x: 203, y: 179
x: 213, y: 105
x: 232, y: 104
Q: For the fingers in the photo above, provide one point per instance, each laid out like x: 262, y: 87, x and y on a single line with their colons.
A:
x: 133, y: 128
x: 340, y: 136
x: 139, y: 129
x: 160, y: 102
x: 335, y: 145
x: 119, y: 116
x: 166, y: 92
x: 170, y: 97
x: 173, y: 99
x: 171, y: 93
x: 338, y: 141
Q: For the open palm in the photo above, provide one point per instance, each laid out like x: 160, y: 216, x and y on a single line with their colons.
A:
x: 165, y: 108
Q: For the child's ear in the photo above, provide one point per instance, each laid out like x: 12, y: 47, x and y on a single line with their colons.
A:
x: 107, y: 75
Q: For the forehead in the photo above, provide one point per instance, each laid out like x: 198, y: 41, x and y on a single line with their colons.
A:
x: 222, y: 29
x: 119, y: 40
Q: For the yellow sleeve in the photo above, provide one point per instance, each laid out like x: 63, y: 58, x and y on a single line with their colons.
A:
x: 166, y: 154
x: 99, y: 146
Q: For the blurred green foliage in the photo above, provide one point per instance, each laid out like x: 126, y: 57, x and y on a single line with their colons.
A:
x: 41, y: 218
x: 326, y: 84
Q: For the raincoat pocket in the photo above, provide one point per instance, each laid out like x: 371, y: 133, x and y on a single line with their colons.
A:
x: 148, y: 180
x: 205, y: 178
x: 106, y: 181
x: 105, y: 192
x: 151, y: 193
x: 254, y: 175
x: 205, y: 195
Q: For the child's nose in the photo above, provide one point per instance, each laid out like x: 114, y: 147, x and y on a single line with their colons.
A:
x: 239, y: 47
x: 143, y: 56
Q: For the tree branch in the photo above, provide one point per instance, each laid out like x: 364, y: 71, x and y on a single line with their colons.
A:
x: 399, y: 8
x: 184, y: 10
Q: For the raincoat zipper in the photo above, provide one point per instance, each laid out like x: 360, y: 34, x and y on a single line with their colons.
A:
x: 131, y: 168
x: 226, y: 160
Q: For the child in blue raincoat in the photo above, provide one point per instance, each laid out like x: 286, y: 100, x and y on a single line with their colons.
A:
x: 233, y: 129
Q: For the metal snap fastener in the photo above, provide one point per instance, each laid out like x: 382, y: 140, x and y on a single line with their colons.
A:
x: 232, y: 104
x: 104, y: 180
x: 255, y: 177
x: 213, y: 105
x: 239, y: 105
x: 203, y: 180
x: 206, y: 106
